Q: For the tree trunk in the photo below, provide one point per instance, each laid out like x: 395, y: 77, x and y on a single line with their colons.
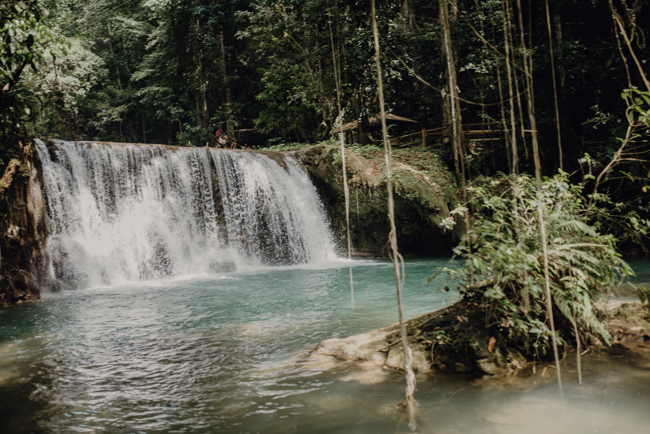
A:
x: 555, y: 94
x: 229, y: 127
x: 451, y: 104
x: 511, y: 97
x: 110, y: 46
x: 538, y: 176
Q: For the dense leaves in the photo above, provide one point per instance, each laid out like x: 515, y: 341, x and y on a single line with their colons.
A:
x: 167, y: 67
x: 23, y: 42
x: 504, y: 268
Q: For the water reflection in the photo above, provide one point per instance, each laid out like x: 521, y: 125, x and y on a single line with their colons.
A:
x: 222, y: 353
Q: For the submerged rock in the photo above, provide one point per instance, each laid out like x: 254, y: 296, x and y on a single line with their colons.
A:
x: 378, y: 346
x: 456, y: 340
x: 366, y: 347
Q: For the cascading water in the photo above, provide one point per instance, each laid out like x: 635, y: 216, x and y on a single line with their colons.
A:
x: 271, y: 209
x: 123, y: 212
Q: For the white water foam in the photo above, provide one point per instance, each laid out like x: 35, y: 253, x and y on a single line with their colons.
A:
x: 121, y: 212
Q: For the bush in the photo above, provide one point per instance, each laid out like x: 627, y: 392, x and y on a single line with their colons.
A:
x: 505, y: 271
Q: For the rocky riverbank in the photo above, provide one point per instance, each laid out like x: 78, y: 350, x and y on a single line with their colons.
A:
x: 455, y: 339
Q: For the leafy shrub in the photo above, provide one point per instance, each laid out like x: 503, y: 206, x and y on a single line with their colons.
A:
x: 644, y: 294
x: 505, y: 271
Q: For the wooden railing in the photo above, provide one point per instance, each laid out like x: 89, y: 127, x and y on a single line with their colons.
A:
x: 480, y: 132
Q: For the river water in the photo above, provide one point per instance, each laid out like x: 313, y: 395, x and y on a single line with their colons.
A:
x: 224, y: 353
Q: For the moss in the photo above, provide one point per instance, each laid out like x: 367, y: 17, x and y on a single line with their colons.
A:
x: 424, y: 193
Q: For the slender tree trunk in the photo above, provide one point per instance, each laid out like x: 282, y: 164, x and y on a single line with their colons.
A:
x: 619, y: 22
x: 557, y: 108
x: 398, y: 262
x: 110, y: 46
x: 346, y: 190
x: 504, y: 122
x: 520, y: 108
x: 455, y: 115
x: 511, y: 97
x: 452, y: 104
x: 407, y: 14
x: 540, y: 201
x: 198, y: 80
x: 229, y: 127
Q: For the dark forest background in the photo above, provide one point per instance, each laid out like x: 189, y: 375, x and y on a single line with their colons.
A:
x: 163, y: 71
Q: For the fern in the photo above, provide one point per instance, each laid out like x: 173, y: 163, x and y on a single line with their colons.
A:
x: 507, y: 252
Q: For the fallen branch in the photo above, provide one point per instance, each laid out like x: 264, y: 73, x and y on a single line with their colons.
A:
x: 383, y: 350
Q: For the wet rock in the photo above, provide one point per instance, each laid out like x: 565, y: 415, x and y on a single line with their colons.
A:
x: 395, y: 358
x: 627, y: 322
x: 52, y: 285
x: 366, y: 346
x: 593, y: 340
x: 420, y: 206
x: 491, y: 366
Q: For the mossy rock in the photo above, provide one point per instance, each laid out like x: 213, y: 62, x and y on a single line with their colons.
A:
x: 422, y: 197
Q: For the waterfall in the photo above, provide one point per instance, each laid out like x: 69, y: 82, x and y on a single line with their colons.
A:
x: 122, y: 212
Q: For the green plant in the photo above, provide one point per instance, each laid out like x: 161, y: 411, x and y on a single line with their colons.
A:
x: 23, y: 41
x: 337, y: 158
x: 626, y: 176
x: 194, y: 135
x: 364, y: 149
x: 280, y: 146
x: 644, y: 294
x: 505, y: 269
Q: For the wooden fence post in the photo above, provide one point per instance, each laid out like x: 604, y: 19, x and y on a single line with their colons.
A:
x: 424, y: 138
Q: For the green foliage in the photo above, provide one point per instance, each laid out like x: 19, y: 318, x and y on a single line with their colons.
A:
x: 289, y: 100
x: 505, y: 267
x: 23, y: 41
x: 626, y: 175
x: 638, y: 103
x: 278, y: 145
x: 147, y: 71
x: 194, y: 135
x: 62, y: 84
x: 644, y: 294
x: 337, y: 158
x: 365, y: 149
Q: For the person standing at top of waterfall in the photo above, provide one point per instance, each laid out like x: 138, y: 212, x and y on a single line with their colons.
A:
x: 222, y: 138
